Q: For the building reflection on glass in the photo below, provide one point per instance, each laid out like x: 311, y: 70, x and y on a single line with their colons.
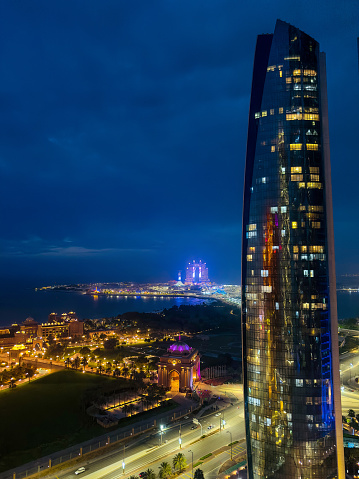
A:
x: 291, y: 370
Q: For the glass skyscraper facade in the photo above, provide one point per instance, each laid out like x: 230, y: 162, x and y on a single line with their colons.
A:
x: 290, y: 337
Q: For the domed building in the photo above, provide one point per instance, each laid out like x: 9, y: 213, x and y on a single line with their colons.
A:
x: 179, y: 368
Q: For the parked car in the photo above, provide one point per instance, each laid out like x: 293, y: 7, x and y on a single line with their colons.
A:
x: 143, y: 474
x: 79, y: 470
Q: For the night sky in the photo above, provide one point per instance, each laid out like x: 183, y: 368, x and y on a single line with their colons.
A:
x: 123, y: 133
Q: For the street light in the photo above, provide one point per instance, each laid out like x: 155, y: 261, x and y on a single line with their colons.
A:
x: 192, y: 462
x: 161, y: 432
x: 123, y: 460
x: 180, y: 438
x: 229, y: 432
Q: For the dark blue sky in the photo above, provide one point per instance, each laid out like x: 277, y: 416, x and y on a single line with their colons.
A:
x: 123, y: 133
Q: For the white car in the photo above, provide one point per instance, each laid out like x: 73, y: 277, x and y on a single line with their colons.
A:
x: 79, y: 470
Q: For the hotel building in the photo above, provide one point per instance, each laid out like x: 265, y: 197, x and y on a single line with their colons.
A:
x: 289, y: 312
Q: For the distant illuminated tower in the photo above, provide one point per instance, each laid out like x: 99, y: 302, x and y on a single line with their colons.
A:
x: 197, y: 273
x: 289, y: 312
x: 179, y: 275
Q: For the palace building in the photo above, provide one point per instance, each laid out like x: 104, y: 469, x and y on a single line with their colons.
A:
x: 179, y: 368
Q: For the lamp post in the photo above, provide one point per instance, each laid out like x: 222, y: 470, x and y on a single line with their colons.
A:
x: 222, y: 421
x: 161, y: 432
x: 229, y: 432
x: 192, y: 462
x: 180, y: 437
x: 123, y: 460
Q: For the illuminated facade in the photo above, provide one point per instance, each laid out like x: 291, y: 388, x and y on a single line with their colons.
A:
x: 197, y: 273
x: 179, y: 368
x: 290, y: 338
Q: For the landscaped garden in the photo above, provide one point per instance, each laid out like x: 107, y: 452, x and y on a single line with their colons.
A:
x: 49, y: 414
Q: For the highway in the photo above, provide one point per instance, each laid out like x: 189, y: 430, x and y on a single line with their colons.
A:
x: 147, y: 452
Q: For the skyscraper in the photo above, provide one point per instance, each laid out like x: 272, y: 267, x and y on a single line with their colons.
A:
x: 290, y: 336
x: 197, y: 273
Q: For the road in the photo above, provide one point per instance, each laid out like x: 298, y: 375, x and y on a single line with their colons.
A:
x: 147, y: 452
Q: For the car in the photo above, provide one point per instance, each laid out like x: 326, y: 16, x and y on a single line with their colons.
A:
x: 79, y: 470
x: 143, y: 474
x: 218, y: 414
x: 194, y: 426
x: 210, y: 426
x: 186, y: 417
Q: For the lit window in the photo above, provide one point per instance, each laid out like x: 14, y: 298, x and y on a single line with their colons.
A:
x: 283, y: 171
x: 314, y: 177
x: 297, y: 72
x: 295, y: 249
x: 288, y: 80
x: 312, y: 146
x: 314, y: 169
x: 296, y: 146
x: 252, y: 227
x: 257, y: 115
x: 306, y: 272
x: 283, y: 209
x: 271, y: 68
x: 293, y: 57
x: 272, y: 149
x: 249, y: 257
x: 312, y: 273
x: 301, y: 185
x: 280, y: 110
x: 316, y: 224
x: 264, y: 113
x: 274, y: 209
x: 296, y: 178
x: 252, y: 249
x: 299, y: 383
x: 304, y: 249
x: 280, y: 73
x: 283, y: 232
x: 296, y: 169
x: 310, y: 73
x: 294, y: 225
x: 264, y: 273
x: 271, y: 111
x: 315, y: 185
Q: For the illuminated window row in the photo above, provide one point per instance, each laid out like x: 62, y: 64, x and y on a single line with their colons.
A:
x: 302, y: 116
x: 305, y: 72
x: 311, y: 185
x: 299, y: 146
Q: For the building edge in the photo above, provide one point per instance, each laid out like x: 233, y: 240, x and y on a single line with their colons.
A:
x: 331, y: 267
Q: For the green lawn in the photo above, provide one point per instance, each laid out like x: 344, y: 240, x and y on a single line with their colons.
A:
x: 47, y: 415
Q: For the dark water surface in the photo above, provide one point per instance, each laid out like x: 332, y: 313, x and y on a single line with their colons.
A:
x: 20, y: 301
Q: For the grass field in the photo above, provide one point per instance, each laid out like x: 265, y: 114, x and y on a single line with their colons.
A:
x: 46, y: 415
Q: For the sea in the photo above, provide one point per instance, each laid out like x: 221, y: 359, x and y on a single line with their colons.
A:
x: 20, y: 302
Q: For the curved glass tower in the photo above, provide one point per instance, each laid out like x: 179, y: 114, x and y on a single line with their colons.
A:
x: 290, y: 342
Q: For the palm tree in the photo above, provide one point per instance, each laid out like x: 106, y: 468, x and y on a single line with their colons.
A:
x: 165, y: 470
x: 84, y: 363
x: 76, y: 362
x: 67, y: 362
x: 179, y: 461
x: 150, y: 474
x: 125, y: 371
x: 198, y: 474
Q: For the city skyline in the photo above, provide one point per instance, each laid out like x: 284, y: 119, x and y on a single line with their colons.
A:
x: 291, y: 376
x: 124, y: 129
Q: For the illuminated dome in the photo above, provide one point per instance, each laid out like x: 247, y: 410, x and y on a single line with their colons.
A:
x: 179, y: 347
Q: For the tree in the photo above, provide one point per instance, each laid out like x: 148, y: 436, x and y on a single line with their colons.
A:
x: 165, y: 470
x: 198, y: 474
x: 110, y: 344
x: 150, y: 474
x: 77, y: 362
x: 84, y: 363
x: 67, y: 362
x: 179, y: 462
x: 85, y: 351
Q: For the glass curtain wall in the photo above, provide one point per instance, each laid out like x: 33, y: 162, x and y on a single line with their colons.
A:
x: 287, y: 348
